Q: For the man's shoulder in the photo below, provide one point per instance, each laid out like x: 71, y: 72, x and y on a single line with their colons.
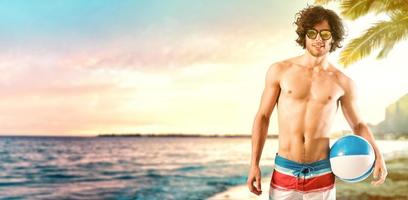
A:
x: 282, y: 65
x: 276, y: 70
x: 344, y: 80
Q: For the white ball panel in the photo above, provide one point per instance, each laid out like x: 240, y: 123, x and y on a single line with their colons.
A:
x: 353, y: 166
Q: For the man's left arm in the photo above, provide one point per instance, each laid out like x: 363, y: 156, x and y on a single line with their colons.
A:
x: 349, y: 107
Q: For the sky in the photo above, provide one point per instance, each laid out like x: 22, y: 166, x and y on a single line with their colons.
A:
x: 97, y: 67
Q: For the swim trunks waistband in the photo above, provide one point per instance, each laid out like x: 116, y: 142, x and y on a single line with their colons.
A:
x: 304, y: 177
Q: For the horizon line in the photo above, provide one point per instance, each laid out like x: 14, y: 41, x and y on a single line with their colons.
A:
x: 130, y: 134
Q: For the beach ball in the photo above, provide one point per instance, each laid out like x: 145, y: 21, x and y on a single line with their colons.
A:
x: 352, y: 158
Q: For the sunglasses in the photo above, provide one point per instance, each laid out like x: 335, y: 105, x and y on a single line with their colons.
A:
x: 324, y: 34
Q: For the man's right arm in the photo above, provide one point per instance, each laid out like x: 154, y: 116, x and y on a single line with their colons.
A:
x: 269, y: 98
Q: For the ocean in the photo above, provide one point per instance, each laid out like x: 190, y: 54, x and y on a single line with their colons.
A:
x: 130, y: 167
x: 124, y: 167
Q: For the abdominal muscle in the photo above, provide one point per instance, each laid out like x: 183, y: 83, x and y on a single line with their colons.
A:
x: 303, y: 129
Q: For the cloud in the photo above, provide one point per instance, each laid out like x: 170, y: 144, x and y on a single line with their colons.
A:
x: 40, y: 94
x: 153, y: 50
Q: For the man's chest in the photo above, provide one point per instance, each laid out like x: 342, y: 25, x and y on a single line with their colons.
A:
x: 317, y: 86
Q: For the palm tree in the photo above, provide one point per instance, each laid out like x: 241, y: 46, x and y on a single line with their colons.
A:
x: 383, y: 34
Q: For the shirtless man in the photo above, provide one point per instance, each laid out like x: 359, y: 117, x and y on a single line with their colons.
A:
x: 307, y: 91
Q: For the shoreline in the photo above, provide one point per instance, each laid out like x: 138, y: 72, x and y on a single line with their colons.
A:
x: 241, y: 192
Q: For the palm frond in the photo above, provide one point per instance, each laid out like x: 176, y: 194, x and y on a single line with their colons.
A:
x: 383, y: 34
x: 398, y: 33
x: 380, y: 6
x: 363, y: 45
x: 354, y: 9
x: 386, y: 49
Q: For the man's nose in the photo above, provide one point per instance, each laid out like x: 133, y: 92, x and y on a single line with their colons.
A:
x: 318, y: 38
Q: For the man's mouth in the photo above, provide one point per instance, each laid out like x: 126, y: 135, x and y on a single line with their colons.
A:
x: 318, y: 46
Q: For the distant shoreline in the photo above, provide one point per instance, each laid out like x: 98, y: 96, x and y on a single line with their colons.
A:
x: 182, y: 135
x: 170, y: 135
x: 137, y: 135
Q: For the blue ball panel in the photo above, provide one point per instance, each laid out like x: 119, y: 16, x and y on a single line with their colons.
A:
x: 351, y: 145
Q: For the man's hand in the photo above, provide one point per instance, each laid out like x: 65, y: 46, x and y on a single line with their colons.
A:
x: 380, y: 171
x: 254, y: 176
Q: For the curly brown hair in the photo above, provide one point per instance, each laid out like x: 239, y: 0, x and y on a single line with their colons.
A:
x: 312, y: 15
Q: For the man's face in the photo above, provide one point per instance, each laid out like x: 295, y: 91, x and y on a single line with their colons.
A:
x: 319, y: 47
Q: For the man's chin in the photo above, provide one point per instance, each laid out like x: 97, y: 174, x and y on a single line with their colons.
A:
x: 317, y: 54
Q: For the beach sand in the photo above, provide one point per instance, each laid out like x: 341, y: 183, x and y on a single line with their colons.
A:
x: 242, y: 192
x: 395, y: 187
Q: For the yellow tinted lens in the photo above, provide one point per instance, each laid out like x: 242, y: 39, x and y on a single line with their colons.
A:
x: 325, y: 35
x: 311, y: 34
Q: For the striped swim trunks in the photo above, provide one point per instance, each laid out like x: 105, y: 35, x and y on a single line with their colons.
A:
x: 293, y: 180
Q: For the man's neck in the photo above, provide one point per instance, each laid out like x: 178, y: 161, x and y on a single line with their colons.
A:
x: 311, y: 61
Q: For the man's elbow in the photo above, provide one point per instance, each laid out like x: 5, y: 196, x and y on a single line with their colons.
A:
x: 360, y: 128
x: 263, y: 117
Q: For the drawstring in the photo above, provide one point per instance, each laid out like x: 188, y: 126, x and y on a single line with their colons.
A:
x: 304, y: 170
